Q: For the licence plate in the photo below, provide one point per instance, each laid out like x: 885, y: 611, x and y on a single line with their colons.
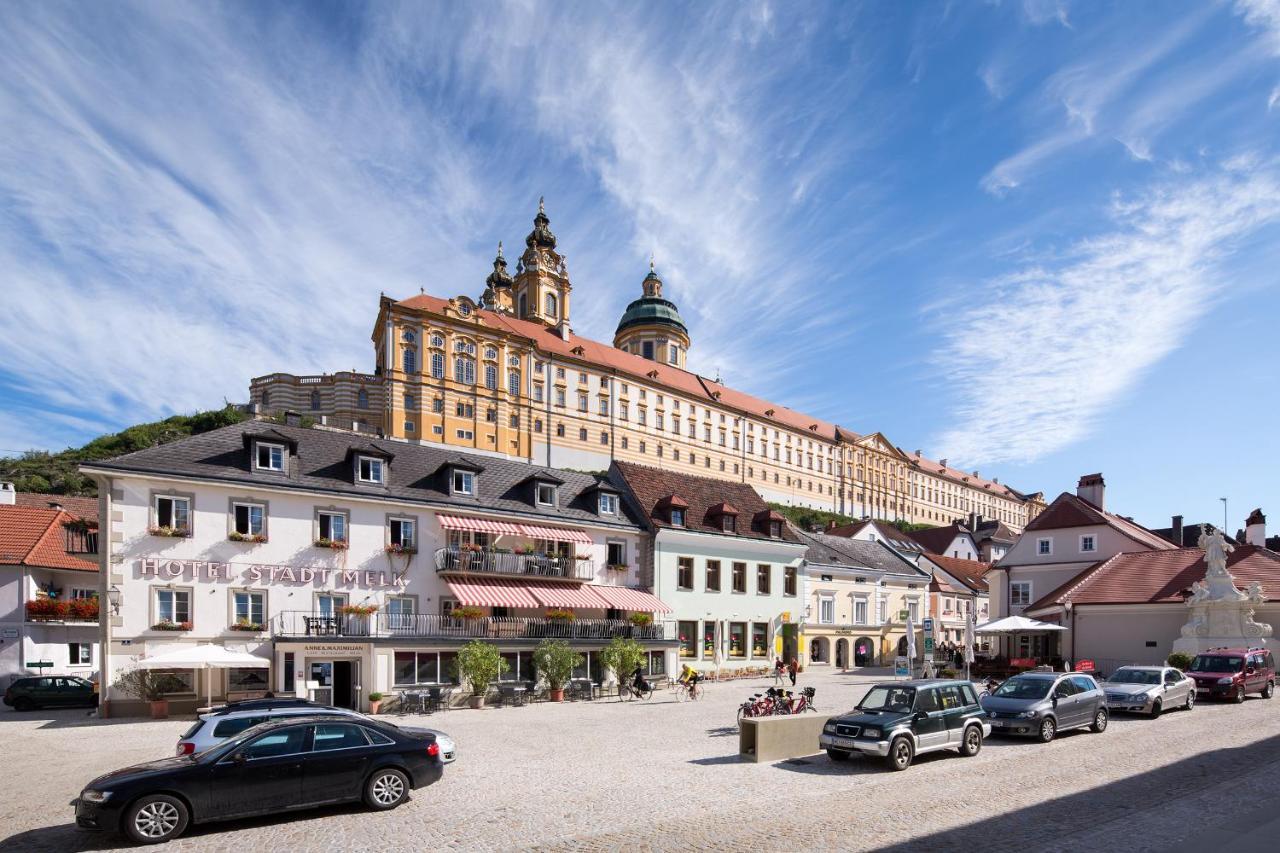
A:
x: 1202, y: 690
x: 847, y: 743
x: 999, y: 724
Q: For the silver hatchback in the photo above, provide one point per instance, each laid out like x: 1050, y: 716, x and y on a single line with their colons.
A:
x: 1149, y: 690
x: 1041, y: 704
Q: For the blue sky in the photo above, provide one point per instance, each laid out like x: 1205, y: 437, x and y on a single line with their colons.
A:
x: 1036, y: 238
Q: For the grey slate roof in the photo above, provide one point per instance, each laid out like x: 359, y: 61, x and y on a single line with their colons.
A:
x: 417, y: 473
x: 841, y: 551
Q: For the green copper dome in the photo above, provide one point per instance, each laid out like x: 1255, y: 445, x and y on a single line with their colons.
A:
x: 652, y: 311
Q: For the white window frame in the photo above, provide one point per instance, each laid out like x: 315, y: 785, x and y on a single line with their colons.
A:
x: 1041, y: 551
x: 1093, y: 543
x: 339, y: 600
x: 463, y: 483
x: 1014, y: 598
x: 860, y: 602
x: 548, y: 498
x: 377, y: 470
x: 250, y: 506
x: 608, y: 504
x: 826, y: 603
x: 157, y: 592
x: 275, y: 452
x: 332, y: 514
x: 173, y: 510
x: 83, y: 651
x: 250, y: 595
x: 622, y: 548
x: 401, y: 522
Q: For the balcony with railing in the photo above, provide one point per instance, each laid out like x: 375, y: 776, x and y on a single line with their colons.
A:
x: 503, y: 564
x: 78, y: 610
x: 310, y: 626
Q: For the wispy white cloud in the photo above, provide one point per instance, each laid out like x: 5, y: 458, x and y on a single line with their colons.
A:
x: 1264, y: 15
x: 1052, y: 345
x: 1041, y: 12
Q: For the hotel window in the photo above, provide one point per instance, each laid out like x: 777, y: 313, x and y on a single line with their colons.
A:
x: 1020, y: 593
x: 416, y: 668
x: 737, y: 639
x: 789, y: 580
x: 173, y: 512
x: 560, y: 397
x: 79, y: 654
x: 860, y: 611
x: 409, y: 361
x: 401, y: 532
x: 437, y: 365
x: 270, y: 457
x: 582, y: 402
x: 513, y: 383
x: 546, y: 494
x: 1044, y: 547
x: 826, y: 610
x: 684, y: 573
x: 370, y: 469
x: 173, y: 605
x: 739, y: 577
x: 688, y: 633
x: 1088, y: 544
x: 764, y: 579
x: 332, y: 526
x: 399, y: 609
x: 490, y: 377
x: 329, y: 605
x: 616, y: 553
x: 463, y: 483
x: 713, y: 575
x: 248, y: 607
x: 247, y: 519
x: 464, y: 371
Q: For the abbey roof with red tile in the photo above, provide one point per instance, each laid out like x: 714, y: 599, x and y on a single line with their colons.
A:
x: 1161, y: 577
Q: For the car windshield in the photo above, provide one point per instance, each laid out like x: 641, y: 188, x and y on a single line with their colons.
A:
x: 888, y: 698
x: 1024, y: 688
x: 1217, y: 663
x: 1135, y: 676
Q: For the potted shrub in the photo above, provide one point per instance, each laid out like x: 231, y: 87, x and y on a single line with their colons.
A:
x: 479, y: 664
x: 1179, y: 660
x: 556, y: 661
x: 622, y: 655
x: 394, y: 550
x: 560, y: 614
x: 640, y: 619
x: 151, y: 686
x: 469, y: 613
x: 359, y: 615
x: 616, y: 567
x: 375, y: 702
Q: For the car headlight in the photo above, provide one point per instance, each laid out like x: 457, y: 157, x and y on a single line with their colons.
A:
x: 1027, y: 714
x: 829, y: 728
x: 91, y: 796
x: 1227, y: 680
x: 874, y: 733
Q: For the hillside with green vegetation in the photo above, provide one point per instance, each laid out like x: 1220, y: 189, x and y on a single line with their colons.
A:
x: 56, y: 473
x: 808, y: 519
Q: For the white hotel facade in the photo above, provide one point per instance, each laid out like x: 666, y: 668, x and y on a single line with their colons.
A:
x: 276, y: 540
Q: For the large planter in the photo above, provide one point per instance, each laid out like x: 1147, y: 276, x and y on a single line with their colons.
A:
x: 375, y: 706
x: 477, y: 702
x: 556, y: 695
x: 160, y: 709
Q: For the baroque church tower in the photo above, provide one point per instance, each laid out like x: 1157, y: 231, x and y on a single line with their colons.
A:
x: 541, y: 288
x: 651, y: 327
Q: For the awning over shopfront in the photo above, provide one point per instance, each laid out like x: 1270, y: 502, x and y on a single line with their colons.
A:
x: 625, y: 598
x: 1016, y: 625
x: 479, y: 525
x: 556, y: 534
x: 490, y: 592
x: 572, y: 597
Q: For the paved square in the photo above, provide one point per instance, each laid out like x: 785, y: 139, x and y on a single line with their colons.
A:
x: 609, y: 775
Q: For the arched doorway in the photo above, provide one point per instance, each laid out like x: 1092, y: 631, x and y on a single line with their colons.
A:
x: 842, y: 653
x: 902, y: 647
x: 818, y: 650
x: 864, y: 652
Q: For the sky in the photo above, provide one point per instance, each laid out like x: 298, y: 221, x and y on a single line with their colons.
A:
x: 1038, y: 239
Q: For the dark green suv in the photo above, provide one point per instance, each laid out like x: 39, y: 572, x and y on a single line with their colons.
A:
x: 50, y: 691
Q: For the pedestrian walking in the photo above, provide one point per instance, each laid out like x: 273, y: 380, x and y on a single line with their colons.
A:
x: 792, y: 669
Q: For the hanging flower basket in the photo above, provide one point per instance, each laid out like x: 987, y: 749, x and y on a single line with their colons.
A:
x: 176, y: 532
x: 334, y: 544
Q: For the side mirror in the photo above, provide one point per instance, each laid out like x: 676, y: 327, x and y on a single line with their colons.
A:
x: 1055, y: 700
x: 1250, y: 671
x: 921, y: 716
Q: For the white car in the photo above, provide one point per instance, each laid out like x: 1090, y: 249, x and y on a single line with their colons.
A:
x: 1149, y: 690
x: 216, y: 726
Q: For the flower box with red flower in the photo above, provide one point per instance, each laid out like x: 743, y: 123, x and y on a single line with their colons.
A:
x: 174, y: 532
x: 166, y: 625
x: 246, y: 625
x: 407, y: 550
x: 334, y: 544
x: 255, y: 538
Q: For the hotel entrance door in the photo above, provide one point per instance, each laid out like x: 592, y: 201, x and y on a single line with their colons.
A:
x: 335, y: 682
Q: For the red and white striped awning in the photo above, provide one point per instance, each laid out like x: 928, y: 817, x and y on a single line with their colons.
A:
x: 556, y: 534
x: 636, y: 600
x: 479, y: 525
x: 490, y: 592
x: 572, y: 597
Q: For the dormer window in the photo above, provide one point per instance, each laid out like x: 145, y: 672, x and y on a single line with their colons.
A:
x: 729, y: 523
x: 464, y: 483
x: 775, y: 529
x: 677, y: 517
x: 546, y: 494
x: 269, y: 457
x: 369, y: 470
x: 608, y: 504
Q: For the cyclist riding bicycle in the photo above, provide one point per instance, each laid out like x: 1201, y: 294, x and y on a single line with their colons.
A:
x: 638, y: 682
x: 687, y: 674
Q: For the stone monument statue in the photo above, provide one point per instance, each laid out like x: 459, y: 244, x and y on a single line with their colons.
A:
x: 1221, y: 613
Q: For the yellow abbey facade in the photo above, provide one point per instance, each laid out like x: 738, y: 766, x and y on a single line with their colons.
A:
x: 505, y: 374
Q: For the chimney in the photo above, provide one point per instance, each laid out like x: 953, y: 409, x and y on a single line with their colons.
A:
x: 55, y: 505
x: 562, y: 329
x: 8, y: 494
x: 292, y: 418
x: 1176, y: 533
x: 1255, y: 529
x: 1091, y: 488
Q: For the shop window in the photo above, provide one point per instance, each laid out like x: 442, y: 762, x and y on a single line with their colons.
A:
x: 759, y: 639
x: 688, y: 634
x: 737, y: 639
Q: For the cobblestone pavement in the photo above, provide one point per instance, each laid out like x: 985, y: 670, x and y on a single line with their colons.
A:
x: 609, y: 775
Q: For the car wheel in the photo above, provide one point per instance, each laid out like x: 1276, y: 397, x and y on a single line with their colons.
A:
x: 837, y: 755
x: 1100, y: 720
x: 155, y: 818
x: 1048, y: 729
x: 1269, y: 690
x: 22, y: 703
x: 1238, y: 698
x: 901, y: 752
x: 1191, y: 700
x: 386, y: 789
x: 972, y: 743
x: 1156, y: 709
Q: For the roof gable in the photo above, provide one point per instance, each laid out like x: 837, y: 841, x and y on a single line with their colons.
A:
x: 35, y: 537
x: 1068, y: 511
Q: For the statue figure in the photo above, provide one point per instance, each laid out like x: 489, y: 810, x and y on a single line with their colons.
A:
x: 1199, y: 592
x: 1255, y: 593
x: 1216, y: 550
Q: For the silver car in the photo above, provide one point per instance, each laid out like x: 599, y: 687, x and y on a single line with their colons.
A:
x: 1149, y: 690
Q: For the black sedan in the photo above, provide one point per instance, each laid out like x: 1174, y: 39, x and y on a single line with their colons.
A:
x: 297, y: 763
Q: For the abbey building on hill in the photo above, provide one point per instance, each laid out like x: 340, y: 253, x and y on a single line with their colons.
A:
x: 505, y: 374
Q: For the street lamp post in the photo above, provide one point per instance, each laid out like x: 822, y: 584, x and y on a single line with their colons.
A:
x: 1224, y: 516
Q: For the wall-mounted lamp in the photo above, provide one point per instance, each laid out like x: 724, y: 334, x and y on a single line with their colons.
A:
x: 113, y: 598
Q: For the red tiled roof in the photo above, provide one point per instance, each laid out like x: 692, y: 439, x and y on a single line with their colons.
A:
x: 972, y: 573
x: 1163, y: 576
x: 965, y: 477
x: 651, y: 486
x: 1068, y: 510
x: 78, y: 506
x: 936, y: 539
x: 34, y: 537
